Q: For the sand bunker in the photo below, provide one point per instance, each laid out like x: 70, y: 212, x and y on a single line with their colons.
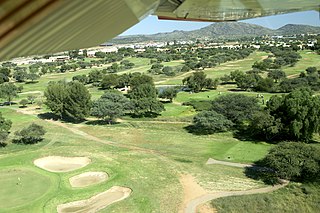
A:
x: 97, y: 202
x: 88, y: 178
x: 61, y: 164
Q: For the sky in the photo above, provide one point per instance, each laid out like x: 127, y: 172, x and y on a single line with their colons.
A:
x: 152, y: 25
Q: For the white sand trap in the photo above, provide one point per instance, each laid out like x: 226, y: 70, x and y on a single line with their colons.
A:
x: 97, y: 202
x: 88, y: 178
x: 61, y: 164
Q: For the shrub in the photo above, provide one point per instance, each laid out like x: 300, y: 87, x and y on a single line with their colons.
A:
x: 30, y: 135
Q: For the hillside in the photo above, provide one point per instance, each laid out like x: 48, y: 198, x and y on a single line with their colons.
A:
x: 223, y: 30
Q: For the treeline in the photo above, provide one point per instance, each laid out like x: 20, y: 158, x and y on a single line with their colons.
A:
x: 293, y: 118
x: 194, y: 58
x: 72, y: 101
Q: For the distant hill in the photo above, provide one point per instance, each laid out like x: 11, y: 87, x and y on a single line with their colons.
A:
x: 223, y: 30
x: 291, y: 29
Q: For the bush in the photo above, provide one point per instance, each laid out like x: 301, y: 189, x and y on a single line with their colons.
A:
x: 210, y: 122
x: 294, y: 161
x: 30, y: 135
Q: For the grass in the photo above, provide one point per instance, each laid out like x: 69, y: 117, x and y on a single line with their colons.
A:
x: 148, y: 154
x: 294, y: 198
x: 21, y: 186
x: 308, y: 59
x: 222, y: 69
x: 132, y: 168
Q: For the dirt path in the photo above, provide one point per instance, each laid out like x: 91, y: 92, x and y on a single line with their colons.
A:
x: 192, y: 205
x: 191, y: 190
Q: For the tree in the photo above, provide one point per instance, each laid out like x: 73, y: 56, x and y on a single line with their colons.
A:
x: 5, y: 126
x: 95, y: 76
x: 109, y: 81
x: 20, y: 75
x: 30, y: 135
x: 299, y: 112
x: 8, y: 91
x: 77, y: 103
x: 265, y: 126
x: 56, y: 93
x: 246, y: 81
x: 311, y: 70
x: 277, y: 75
x: 210, y: 122
x: 31, y: 98
x: 81, y: 78
x: 110, y: 105
x: 169, y: 93
x: 24, y: 102
x: 144, y: 100
x: 32, y: 76
x: 139, y: 79
x: 294, y: 161
x: 236, y: 107
x: 197, y: 81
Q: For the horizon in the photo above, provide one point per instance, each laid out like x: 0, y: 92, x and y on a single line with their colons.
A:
x: 152, y: 25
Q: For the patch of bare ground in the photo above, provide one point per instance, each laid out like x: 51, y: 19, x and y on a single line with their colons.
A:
x: 96, y: 202
x: 192, y: 205
x: 206, y: 208
x: 191, y: 190
x: 61, y: 164
x: 88, y: 179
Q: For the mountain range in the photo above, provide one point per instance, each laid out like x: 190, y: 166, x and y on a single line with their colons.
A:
x: 222, y: 30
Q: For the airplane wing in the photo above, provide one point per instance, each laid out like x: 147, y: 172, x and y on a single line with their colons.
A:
x: 33, y: 27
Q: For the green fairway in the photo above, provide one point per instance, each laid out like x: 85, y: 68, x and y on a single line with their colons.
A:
x: 149, y: 155
x: 308, y: 59
x: 20, y: 186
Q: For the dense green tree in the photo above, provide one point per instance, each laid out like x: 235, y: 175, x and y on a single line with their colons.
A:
x: 20, y: 75
x: 246, y: 81
x: 3, y: 78
x: 139, y: 79
x: 265, y: 126
x: 265, y: 85
x: 95, y: 76
x: 110, y: 105
x: 311, y: 70
x: 299, y: 112
x: 294, y: 161
x: 210, y: 122
x: 109, y: 81
x: 169, y: 93
x: 5, y: 126
x: 32, y: 76
x: 77, y: 103
x: 56, y: 94
x: 5, y: 71
x: 236, y: 107
x: 144, y: 100
x: 8, y: 91
x: 24, y: 102
x: 30, y: 135
x: 81, y: 78
x: 276, y: 75
x: 197, y: 81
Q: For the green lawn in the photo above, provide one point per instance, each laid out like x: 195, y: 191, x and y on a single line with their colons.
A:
x: 294, y: 198
x: 147, y: 155
x: 308, y: 59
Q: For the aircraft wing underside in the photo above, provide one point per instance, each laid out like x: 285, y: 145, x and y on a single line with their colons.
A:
x: 31, y: 27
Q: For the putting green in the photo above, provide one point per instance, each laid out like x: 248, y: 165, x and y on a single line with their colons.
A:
x: 21, y: 186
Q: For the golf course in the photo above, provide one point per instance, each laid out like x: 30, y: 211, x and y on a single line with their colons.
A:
x: 142, y: 164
